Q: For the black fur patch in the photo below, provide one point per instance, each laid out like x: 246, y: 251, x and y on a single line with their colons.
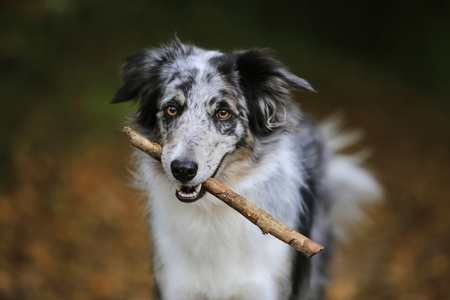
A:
x: 187, y: 83
x: 146, y: 115
x: 173, y: 77
x: 301, y: 269
x: 225, y: 63
x: 226, y: 66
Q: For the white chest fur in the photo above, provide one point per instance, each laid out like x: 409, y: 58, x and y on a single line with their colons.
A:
x: 206, y: 250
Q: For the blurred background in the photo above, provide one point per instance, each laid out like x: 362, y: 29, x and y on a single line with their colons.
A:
x: 71, y: 227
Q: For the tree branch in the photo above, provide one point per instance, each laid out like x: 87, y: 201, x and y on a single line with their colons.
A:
x: 253, y: 213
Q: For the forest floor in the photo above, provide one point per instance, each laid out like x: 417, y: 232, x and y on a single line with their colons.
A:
x: 72, y: 228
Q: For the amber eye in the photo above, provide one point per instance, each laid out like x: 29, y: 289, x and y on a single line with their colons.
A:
x: 223, y: 114
x: 171, y: 111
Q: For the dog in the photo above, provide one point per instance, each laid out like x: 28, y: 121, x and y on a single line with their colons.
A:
x: 232, y: 117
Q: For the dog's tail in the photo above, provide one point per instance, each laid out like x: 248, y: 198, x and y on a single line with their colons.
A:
x: 352, y: 187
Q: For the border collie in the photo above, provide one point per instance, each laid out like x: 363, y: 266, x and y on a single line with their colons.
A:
x: 231, y: 116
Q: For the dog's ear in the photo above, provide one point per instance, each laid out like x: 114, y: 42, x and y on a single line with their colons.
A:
x: 138, y: 72
x: 265, y: 83
x: 257, y: 67
x: 142, y: 79
x: 141, y: 73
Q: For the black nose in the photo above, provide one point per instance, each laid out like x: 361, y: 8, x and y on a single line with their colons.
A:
x: 184, y: 170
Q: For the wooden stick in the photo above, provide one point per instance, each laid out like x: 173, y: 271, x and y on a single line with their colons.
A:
x: 253, y: 213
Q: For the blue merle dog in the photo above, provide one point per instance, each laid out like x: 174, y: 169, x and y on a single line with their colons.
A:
x: 231, y: 116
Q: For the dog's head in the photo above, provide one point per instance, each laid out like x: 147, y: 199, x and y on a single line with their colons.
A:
x: 205, y: 105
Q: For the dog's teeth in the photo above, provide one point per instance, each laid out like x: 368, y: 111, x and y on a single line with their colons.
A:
x: 178, y: 187
x: 198, y: 188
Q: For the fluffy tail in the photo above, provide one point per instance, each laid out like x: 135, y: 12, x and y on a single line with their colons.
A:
x: 351, y: 186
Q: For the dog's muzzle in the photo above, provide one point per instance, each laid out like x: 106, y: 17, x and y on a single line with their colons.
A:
x: 184, y: 171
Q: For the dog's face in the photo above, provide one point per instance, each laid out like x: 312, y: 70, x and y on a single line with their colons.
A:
x: 203, y: 106
x: 200, y: 120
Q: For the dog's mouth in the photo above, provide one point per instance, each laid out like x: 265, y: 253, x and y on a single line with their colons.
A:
x: 189, y: 194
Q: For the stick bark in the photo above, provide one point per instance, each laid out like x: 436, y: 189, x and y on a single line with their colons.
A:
x: 267, y: 223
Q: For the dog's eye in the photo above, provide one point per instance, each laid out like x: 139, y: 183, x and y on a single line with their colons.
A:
x: 171, y: 111
x: 223, y: 114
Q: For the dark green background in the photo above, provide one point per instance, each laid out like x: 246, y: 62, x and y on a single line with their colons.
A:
x: 63, y: 56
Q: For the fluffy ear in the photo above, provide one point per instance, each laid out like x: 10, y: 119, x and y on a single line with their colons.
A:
x: 257, y: 66
x: 265, y: 83
x: 138, y: 72
x: 142, y: 79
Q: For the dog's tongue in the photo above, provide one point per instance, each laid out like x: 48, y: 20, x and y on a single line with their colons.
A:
x: 189, y: 193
